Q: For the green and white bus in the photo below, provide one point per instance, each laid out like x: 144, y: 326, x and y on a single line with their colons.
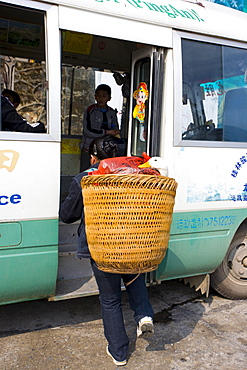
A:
x: 193, y: 59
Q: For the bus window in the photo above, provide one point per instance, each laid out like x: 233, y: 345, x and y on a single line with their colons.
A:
x: 78, y: 85
x: 214, y: 92
x: 22, y: 61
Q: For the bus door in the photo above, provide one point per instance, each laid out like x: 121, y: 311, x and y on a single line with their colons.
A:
x: 147, y: 85
x: 146, y: 104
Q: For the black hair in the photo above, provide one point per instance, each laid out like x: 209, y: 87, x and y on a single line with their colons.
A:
x: 103, y: 147
x: 104, y: 88
x: 14, y: 94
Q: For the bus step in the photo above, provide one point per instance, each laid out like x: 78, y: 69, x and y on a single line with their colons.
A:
x: 75, y: 288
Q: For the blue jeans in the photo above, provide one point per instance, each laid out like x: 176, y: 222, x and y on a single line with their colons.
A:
x: 110, y: 296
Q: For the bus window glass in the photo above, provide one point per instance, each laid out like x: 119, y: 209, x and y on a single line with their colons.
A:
x: 214, y: 92
x: 78, y: 85
x: 139, y: 131
x: 22, y: 62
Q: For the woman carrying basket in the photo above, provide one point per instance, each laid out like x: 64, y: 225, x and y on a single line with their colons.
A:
x: 109, y: 284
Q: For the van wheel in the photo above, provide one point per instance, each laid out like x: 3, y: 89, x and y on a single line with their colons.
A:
x: 230, y: 278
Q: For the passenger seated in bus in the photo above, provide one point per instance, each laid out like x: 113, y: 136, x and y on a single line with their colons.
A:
x: 99, y: 120
x: 109, y: 284
x: 13, y: 97
x: 12, y: 121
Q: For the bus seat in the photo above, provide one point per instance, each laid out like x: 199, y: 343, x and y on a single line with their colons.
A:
x: 235, y: 115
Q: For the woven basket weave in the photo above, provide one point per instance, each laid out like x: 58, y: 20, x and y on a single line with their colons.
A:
x: 128, y: 219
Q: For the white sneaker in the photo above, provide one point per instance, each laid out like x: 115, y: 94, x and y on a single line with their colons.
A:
x: 116, y: 362
x: 145, y: 327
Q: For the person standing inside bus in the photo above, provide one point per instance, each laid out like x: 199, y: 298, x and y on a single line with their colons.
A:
x: 12, y: 121
x: 109, y: 284
x: 99, y: 120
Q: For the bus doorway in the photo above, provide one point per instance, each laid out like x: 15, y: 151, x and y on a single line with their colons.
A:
x: 87, y: 61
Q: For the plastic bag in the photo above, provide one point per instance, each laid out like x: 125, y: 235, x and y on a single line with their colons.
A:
x: 124, y: 166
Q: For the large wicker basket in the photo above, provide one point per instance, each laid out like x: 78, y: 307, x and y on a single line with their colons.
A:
x: 128, y: 219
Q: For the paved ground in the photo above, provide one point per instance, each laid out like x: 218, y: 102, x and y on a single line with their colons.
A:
x: 191, y: 332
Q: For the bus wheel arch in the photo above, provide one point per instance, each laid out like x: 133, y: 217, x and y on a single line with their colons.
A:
x: 230, y: 278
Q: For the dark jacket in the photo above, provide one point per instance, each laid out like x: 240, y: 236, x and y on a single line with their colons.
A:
x: 71, y: 210
x: 93, y: 121
x: 12, y: 121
